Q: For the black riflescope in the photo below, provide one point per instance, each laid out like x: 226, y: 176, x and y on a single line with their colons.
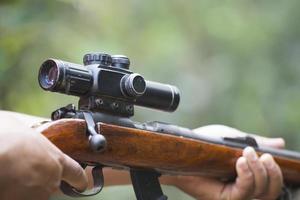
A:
x: 106, y: 76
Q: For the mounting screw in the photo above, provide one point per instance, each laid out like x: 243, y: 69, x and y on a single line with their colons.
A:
x: 129, y: 108
x: 115, y: 105
x: 99, y: 102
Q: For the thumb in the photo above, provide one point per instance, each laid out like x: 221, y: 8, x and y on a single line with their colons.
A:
x: 74, y: 174
x: 278, y: 143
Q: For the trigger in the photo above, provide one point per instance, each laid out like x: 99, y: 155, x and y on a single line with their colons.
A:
x: 98, y: 180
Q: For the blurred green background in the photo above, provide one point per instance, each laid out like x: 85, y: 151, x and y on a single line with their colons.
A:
x: 235, y: 62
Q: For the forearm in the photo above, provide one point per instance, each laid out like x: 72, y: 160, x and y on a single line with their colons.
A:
x: 29, y: 120
x: 11, y: 119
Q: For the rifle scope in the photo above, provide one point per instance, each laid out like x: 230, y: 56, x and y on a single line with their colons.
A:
x: 109, y: 77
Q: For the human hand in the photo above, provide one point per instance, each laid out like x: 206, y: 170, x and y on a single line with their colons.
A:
x: 257, y: 177
x: 31, y: 167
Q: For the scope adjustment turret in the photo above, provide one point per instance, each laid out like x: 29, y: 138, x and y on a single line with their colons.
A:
x: 120, y: 61
x: 97, y: 58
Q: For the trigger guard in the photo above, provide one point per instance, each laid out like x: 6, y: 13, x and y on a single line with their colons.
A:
x: 98, y: 180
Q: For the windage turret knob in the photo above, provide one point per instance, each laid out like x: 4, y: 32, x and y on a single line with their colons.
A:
x: 120, y: 61
x: 97, y: 58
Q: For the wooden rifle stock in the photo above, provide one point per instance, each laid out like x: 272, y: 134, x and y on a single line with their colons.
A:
x: 168, y: 154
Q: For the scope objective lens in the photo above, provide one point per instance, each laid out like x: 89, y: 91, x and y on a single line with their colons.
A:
x: 48, y: 75
x: 65, y: 77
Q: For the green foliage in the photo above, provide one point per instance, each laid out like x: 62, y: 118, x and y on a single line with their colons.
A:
x: 236, y: 63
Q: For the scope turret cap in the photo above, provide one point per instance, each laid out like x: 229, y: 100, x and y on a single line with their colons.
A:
x: 102, y: 59
x: 120, y: 61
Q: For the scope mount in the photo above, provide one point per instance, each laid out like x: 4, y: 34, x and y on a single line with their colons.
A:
x: 106, y: 104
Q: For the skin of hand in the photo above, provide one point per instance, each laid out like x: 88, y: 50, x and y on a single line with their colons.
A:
x: 258, y: 177
x: 31, y: 166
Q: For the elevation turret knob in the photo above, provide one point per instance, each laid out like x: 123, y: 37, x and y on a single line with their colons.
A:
x: 102, y: 59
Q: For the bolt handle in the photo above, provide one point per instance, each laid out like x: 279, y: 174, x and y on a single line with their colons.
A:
x: 97, y: 141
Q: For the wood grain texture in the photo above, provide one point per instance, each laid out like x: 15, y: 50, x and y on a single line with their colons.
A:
x: 144, y: 149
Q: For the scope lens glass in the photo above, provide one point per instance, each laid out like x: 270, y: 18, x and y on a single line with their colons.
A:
x: 48, y: 76
x: 139, y: 84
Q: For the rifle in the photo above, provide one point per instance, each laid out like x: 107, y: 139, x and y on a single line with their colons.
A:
x: 101, y: 134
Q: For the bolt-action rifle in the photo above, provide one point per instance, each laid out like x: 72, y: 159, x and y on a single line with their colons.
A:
x: 101, y: 134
